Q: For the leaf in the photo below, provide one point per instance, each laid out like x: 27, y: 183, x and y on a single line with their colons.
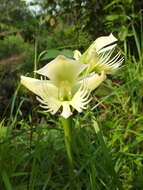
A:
x: 51, y: 53
x: 112, y: 17
x: 111, y: 4
x: 123, y: 33
x: 6, y: 181
x: 67, y: 53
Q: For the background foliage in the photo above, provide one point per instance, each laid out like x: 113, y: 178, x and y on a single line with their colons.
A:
x: 108, y: 155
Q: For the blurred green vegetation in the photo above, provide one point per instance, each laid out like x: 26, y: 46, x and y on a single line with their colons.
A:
x: 32, y: 152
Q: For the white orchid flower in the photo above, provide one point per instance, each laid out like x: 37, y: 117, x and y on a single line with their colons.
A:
x: 65, y: 85
x: 100, y: 56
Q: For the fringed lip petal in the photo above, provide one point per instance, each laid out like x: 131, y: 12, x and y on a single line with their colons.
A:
x: 108, y: 64
x: 62, y: 69
x: 80, y: 99
x: 50, y: 104
x: 47, y: 95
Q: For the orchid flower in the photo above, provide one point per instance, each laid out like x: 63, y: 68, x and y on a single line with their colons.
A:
x: 64, y: 84
x: 100, y: 56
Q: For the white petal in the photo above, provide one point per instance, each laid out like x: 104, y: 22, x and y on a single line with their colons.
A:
x: 66, y: 109
x: 102, y: 44
x: 77, y: 54
x: 107, y: 48
x: 47, y: 92
x: 62, y: 69
x: 39, y: 87
x: 94, y: 80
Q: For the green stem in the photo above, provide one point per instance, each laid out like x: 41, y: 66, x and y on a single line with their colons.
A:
x: 35, y: 57
x: 67, y: 125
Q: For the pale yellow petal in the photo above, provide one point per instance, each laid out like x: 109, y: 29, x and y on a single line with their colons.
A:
x: 62, y: 70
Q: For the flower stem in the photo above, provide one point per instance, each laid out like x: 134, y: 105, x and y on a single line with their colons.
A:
x: 67, y: 125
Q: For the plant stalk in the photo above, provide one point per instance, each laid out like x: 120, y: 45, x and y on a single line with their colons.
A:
x: 67, y: 126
